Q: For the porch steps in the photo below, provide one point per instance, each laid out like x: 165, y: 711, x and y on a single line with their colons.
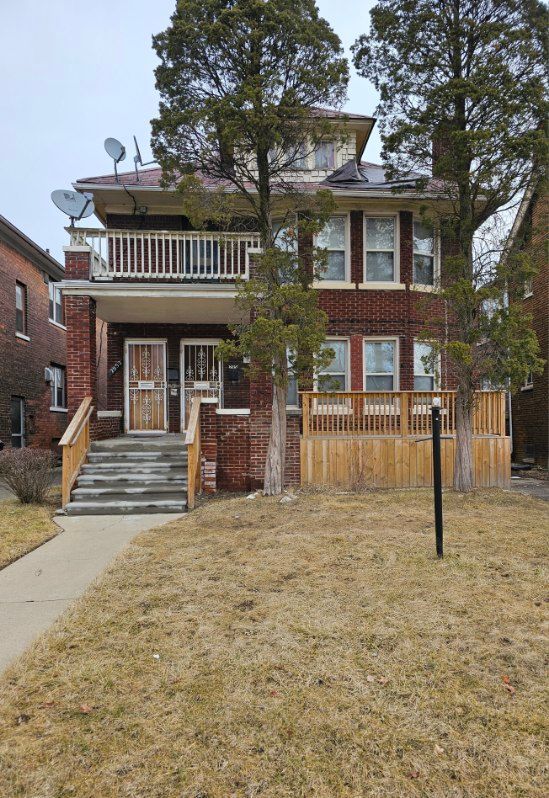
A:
x: 125, y: 476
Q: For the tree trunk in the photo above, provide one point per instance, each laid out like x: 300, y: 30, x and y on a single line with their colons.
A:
x: 463, y: 462
x: 276, y: 453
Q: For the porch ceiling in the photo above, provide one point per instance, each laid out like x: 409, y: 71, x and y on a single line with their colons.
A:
x: 168, y: 304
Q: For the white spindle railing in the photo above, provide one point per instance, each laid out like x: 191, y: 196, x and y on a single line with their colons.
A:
x: 167, y: 255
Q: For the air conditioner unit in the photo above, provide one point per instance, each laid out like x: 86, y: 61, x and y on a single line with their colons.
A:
x: 48, y: 374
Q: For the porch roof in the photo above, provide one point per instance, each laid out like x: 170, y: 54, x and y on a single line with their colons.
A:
x: 165, y: 303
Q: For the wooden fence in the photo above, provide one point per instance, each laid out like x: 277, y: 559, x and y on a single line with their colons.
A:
x: 383, y: 440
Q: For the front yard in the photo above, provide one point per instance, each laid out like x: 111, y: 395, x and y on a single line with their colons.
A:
x: 23, y: 527
x: 312, y: 648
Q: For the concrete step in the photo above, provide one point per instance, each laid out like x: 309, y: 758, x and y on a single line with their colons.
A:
x: 113, y: 477
x: 175, y: 490
x: 125, y: 444
x: 145, y: 467
x: 137, y: 456
x: 154, y: 503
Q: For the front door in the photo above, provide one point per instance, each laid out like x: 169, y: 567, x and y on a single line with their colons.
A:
x: 201, y: 374
x: 146, y: 404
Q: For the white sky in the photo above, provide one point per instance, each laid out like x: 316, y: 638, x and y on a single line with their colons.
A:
x: 75, y: 73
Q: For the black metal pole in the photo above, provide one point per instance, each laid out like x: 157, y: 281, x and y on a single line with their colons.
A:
x: 437, y: 479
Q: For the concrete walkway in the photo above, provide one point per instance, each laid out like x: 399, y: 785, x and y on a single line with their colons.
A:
x: 36, y: 589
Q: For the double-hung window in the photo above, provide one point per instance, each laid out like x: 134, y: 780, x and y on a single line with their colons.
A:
x: 334, y: 238
x: 56, y: 303
x: 335, y: 376
x: 425, y: 376
x: 58, y: 388
x: 325, y: 155
x: 17, y: 417
x: 380, y: 247
x: 21, y: 309
x: 424, y: 254
x: 380, y: 364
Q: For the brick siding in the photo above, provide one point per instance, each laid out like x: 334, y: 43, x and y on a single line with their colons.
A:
x: 531, y: 407
x: 22, y: 363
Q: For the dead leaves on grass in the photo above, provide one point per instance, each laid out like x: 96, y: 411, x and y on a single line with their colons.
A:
x: 508, y: 686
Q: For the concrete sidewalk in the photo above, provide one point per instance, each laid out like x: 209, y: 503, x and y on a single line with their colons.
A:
x: 36, y: 589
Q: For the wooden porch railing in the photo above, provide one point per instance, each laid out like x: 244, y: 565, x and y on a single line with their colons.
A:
x: 166, y: 254
x: 194, y: 454
x: 75, y: 444
x: 395, y: 414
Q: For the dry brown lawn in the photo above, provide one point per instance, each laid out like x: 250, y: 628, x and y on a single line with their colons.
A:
x: 265, y: 650
x: 23, y: 527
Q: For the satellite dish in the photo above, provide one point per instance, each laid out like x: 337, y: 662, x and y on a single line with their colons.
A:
x: 117, y: 151
x: 73, y: 203
x: 137, y: 159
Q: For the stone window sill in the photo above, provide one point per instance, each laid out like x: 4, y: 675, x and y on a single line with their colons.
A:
x: 59, y: 409
x: 22, y: 336
x: 57, y: 324
x: 334, y: 284
x: 371, y: 286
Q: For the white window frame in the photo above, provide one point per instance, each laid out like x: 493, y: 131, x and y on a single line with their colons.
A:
x: 22, y: 402
x: 53, y: 291
x: 59, y: 378
x: 396, y: 360
x: 528, y: 287
x: 24, y: 333
x: 318, y: 168
x: 324, y: 282
x: 436, y: 375
x: 346, y: 340
x: 291, y: 405
x: 396, y: 252
x: 435, y: 256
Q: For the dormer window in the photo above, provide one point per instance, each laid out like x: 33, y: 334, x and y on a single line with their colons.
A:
x: 325, y: 155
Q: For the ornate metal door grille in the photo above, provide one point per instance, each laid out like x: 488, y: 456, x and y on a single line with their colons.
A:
x: 146, y: 386
x: 202, y: 374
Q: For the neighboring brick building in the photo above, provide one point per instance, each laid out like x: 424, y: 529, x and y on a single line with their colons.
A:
x: 33, y: 407
x: 530, y: 405
x: 167, y: 295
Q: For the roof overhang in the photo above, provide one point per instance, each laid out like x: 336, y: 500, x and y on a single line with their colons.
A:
x: 165, y: 303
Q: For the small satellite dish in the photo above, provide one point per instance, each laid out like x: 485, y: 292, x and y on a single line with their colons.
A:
x: 117, y: 151
x: 73, y: 203
x: 137, y: 159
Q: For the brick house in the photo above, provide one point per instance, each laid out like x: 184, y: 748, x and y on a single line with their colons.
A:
x: 167, y: 294
x: 33, y: 407
x: 530, y: 405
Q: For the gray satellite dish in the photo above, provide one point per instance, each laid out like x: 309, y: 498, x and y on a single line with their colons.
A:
x: 77, y: 206
x: 117, y: 151
x: 137, y: 159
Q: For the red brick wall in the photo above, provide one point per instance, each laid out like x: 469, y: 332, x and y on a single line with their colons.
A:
x: 531, y: 407
x: 233, y: 452
x: 22, y: 363
x: 80, y: 316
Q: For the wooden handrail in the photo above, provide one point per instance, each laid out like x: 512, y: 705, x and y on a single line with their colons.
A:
x: 75, y: 444
x: 194, y: 453
x: 395, y: 413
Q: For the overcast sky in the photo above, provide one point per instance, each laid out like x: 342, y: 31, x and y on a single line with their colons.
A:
x: 75, y: 73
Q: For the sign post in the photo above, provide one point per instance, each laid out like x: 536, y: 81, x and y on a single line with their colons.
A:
x: 437, y: 476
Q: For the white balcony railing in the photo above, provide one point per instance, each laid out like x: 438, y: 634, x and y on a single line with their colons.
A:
x: 167, y: 255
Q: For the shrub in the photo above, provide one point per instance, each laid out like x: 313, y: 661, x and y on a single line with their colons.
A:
x: 27, y: 472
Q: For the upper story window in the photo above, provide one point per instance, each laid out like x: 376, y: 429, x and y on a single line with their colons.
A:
x: 21, y: 308
x: 528, y: 382
x: 56, y: 303
x: 335, y: 376
x: 528, y: 287
x: 334, y: 238
x: 424, y: 254
x: 425, y: 376
x: 380, y: 364
x: 58, y: 388
x: 380, y: 247
x: 325, y: 155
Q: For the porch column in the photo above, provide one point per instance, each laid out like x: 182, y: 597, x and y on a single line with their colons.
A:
x: 208, y: 444
x: 261, y: 399
x: 80, y: 320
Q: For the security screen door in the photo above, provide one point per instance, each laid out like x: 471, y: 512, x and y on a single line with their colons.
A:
x: 146, y: 386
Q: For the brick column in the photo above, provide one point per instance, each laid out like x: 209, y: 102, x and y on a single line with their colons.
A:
x: 357, y: 247
x: 406, y: 246
x: 261, y: 393
x: 357, y: 369
x: 80, y: 320
x: 208, y: 445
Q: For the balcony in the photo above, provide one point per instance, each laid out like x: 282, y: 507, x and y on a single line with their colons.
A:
x: 167, y: 256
